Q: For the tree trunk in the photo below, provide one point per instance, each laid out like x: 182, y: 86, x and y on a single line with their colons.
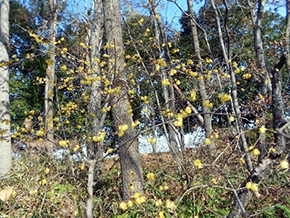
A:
x: 50, y: 78
x: 277, y: 103
x: 131, y: 169
x: 201, y: 83
x: 5, y: 140
x: 288, y: 36
x: 257, y: 18
x: 266, y: 164
x: 168, y: 91
x: 94, y: 40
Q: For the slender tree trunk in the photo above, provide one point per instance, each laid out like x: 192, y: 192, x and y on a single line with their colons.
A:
x: 288, y: 35
x: 266, y: 89
x: 237, y: 112
x: 168, y: 91
x: 131, y: 169
x: 277, y: 103
x: 94, y: 40
x: 96, y: 162
x: 50, y: 77
x: 5, y: 140
x: 201, y: 84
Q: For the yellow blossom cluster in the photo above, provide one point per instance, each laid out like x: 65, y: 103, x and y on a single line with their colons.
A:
x: 100, y: 137
x: 151, y: 176
x: 207, y: 141
x: 224, y: 97
x: 69, y: 108
x: 151, y: 140
x: 63, y: 143
x: 247, y: 76
x: 262, y: 129
x: 252, y: 186
x: 168, y: 112
x: 231, y: 119
x: 166, y: 82
x: 136, y: 123
x: 198, y: 163
x: 137, y: 198
x: 255, y: 151
x: 122, y: 129
x: 207, y: 103
x: 182, y: 114
x: 192, y: 96
x: 130, y: 110
x: 145, y: 99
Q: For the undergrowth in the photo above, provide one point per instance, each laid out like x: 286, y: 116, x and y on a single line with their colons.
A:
x: 45, y: 187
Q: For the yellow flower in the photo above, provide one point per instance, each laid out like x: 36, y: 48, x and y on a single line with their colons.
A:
x: 151, y: 176
x: 231, y: 119
x: 224, y: 97
x: 110, y: 150
x: 166, y: 82
x: 165, y: 187
x: 76, y: 148
x: 251, y: 148
x: 76, y: 213
x: 123, y: 205
x: 46, y: 170
x: 158, y: 203
x: 262, y: 129
x: 214, y: 181
x: 247, y: 76
x: 198, y: 163
x: 207, y: 103
x: 40, y: 133
x: 188, y: 110
x: 130, y: 203
x: 256, y: 152
x: 252, y: 186
x: 242, y: 161
x: 136, y: 195
x: 161, y: 214
x: 207, y: 141
x: 64, y: 67
x: 32, y: 192
x: 284, y: 164
x: 141, y: 21
x: 169, y: 204
x: 82, y: 166
x: 140, y: 200
x: 192, y: 95
x: 249, y: 185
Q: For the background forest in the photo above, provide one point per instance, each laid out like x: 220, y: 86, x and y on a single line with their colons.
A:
x: 89, y: 80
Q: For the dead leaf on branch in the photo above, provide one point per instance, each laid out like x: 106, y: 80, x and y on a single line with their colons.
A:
x: 5, y: 194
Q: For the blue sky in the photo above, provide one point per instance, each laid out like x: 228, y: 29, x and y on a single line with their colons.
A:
x: 169, y: 11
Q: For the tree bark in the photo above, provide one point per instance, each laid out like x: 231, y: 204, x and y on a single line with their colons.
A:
x: 288, y: 36
x: 257, y: 18
x: 277, y: 103
x: 94, y: 39
x: 131, y: 169
x: 5, y: 139
x: 50, y: 77
x: 201, y: 84
x: 168, y: 91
